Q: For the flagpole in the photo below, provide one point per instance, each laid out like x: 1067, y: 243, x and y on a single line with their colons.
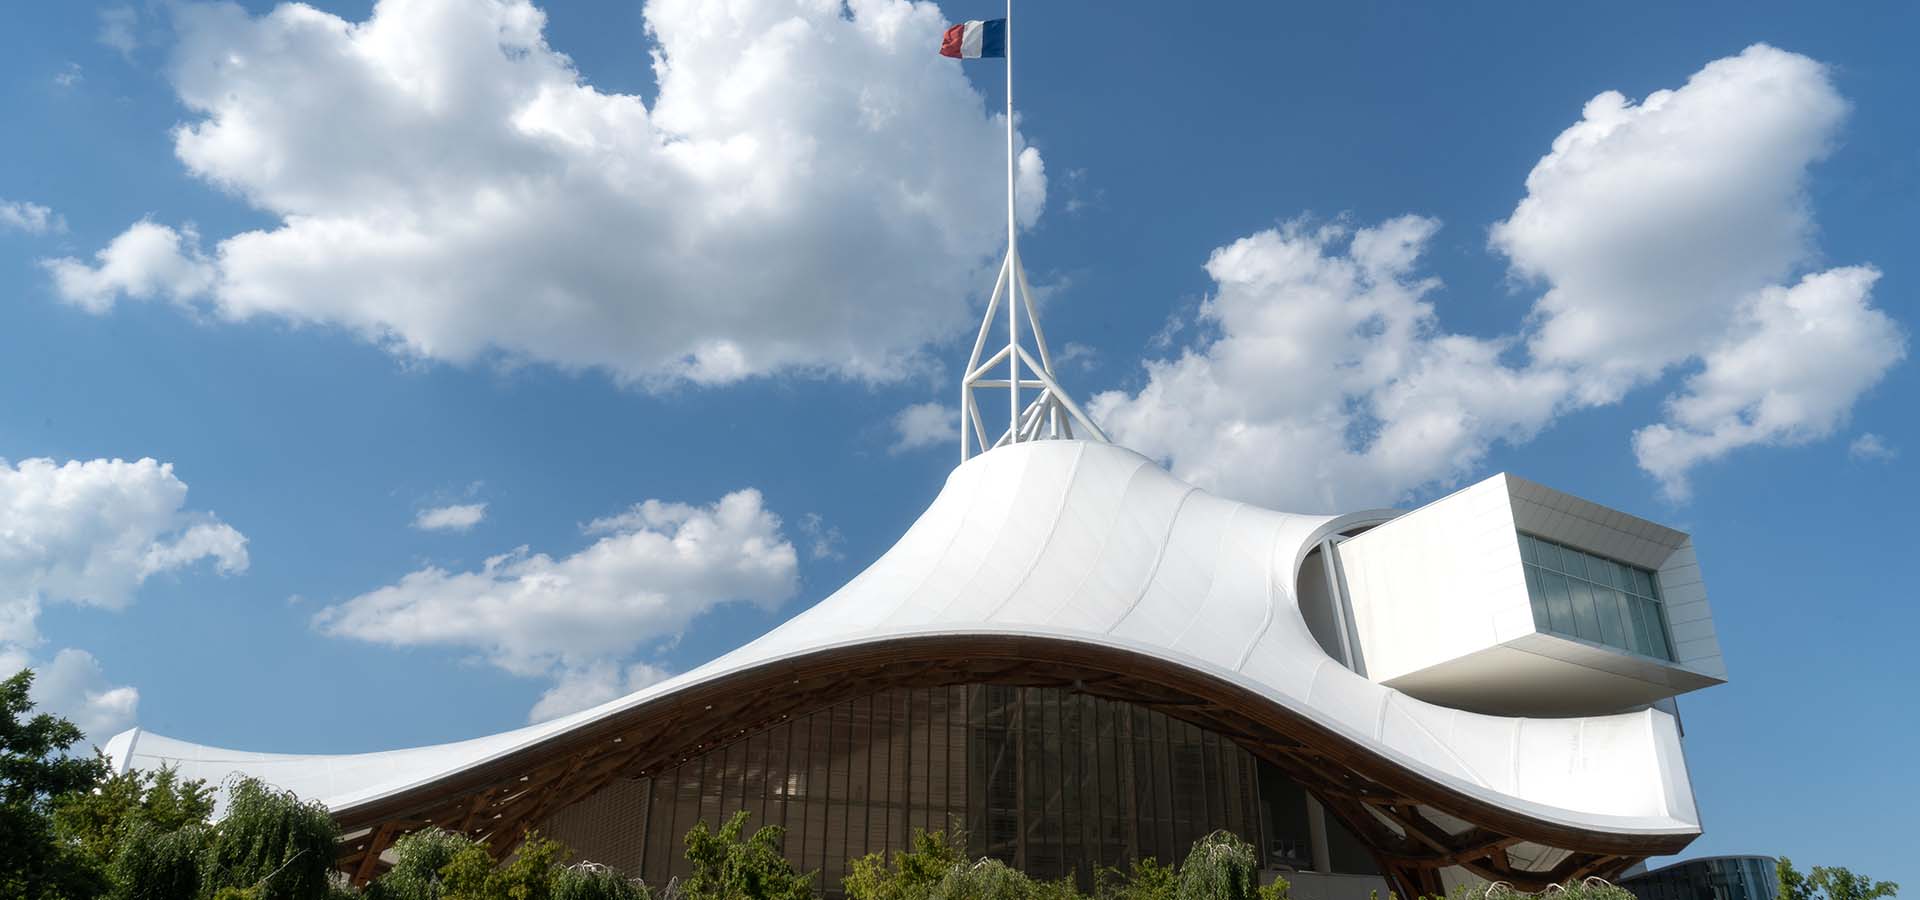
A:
x: 1013, y: 256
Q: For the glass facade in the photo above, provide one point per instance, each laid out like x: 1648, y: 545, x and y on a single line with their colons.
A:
x: 1719, y: 878
x: 1578, y: 594
x: 1052, y: 782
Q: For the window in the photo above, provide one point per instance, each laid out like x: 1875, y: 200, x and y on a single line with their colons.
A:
x: 1577, y: 594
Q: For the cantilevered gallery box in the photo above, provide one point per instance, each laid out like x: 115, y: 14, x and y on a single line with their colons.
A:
x: 1512, y: 598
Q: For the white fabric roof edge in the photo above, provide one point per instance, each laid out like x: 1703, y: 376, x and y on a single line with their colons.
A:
x: 1092, y: 543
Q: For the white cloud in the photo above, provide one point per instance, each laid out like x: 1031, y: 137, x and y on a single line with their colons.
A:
x: 1662, y: 231
x: 1651, y: 222
x: 592, y: 685
x: 654, y: 568
x: 457, y: 517
x: 74, y: 687
x: 445, y: 183
x: 71, y: 76
x: 1077, y: 355
x: 1870, y: 447
x: 925, y: 425
x: 1328, y: 383
x: 117, y: 25
x: 31, y: 218
x: 92, y: 533
x: 823, y: 540
x: 1787, y: 373
x: 147, y: 261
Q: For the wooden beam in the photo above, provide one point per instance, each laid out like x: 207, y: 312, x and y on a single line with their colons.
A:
x: 370, y: 860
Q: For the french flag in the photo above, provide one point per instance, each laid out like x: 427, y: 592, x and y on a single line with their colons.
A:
x: 976, y: 40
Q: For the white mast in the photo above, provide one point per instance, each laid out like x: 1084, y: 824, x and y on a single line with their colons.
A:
x: 1052, y: 414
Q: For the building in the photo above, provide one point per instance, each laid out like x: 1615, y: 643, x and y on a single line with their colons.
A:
x: 1080, y: 659
x: 1708, y: 878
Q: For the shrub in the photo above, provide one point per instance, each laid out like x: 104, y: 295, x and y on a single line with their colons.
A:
x: 417, y: 861
x: 1146, y: 879
x: 725, y: 867
x: 913, y: 872
x: 1220, y: 867
x: 988, y: 879
x: 595, y: 882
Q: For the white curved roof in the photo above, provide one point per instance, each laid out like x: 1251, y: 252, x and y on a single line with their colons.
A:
x: 1093, y: 543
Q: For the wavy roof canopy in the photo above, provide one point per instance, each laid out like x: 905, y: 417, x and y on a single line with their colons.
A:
x: 1081, y: 564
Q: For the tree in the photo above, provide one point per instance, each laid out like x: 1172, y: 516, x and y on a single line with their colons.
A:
x: 35, y: 770
x: 1145, y: 879
x: 1829, y: 883
x: 418, y: 859
x: 913, y: 873
x: 987, y: 879
x: 588, y: 881
x: 270, y: 846
x: 728, y: 868
x: 472, y: 875
x: 99, y: 822
x: 1219, y: 867
x: 155, y: 864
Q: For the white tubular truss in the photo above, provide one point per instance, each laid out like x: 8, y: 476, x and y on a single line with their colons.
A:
x: 1048, y: 415
x: 1051, y: 415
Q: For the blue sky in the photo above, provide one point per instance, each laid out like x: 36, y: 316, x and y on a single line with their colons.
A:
x: 340, y: 278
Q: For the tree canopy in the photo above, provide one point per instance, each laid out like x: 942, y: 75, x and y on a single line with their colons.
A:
x: 36, y: 769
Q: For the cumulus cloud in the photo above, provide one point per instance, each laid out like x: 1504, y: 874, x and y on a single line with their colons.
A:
x: 460, y: 517
x: 653, y: 569
x: 1328, y: 383
x: 1787, y: 373
x: 592, y: 685
x: 1870, y: 447
x: 1662, y: 231
x: 117, y: 26
x: 447, y: 184
x: 75, y: 687
x: 925, y: 425
x: 91, y: 533
x: 1652, y: 222
x: 32, y: 218
x: 823, y: 540
x: 145, y: 262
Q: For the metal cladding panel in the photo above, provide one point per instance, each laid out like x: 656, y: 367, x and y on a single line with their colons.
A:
x: 1094, y: 545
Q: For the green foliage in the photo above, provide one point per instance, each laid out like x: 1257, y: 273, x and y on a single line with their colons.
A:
x: 418, y: 859
x: 97, y: 823
x: 152, y: 863
x: 1829, y: 883
x: 1589, y: 889
x: 1220, y: 866
x: 594, y: 882
x: 270, y: 846
x: 471, y: 874
x: 1146, y: 879
x: 725, y: 867
x: 1062, y: 888
x: 35, y: 770
x: 987, y: 879
x: 913, y: 872
x: 440, y: 865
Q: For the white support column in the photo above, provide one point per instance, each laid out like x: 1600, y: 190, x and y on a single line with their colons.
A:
x: 1013, y: 251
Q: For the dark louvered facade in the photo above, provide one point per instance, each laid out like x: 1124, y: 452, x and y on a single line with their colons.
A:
x: 1055, y: 783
